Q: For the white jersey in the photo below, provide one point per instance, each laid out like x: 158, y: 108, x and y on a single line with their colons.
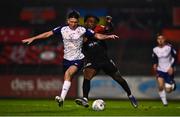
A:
x: 73, y: 40
x: 164, y: 57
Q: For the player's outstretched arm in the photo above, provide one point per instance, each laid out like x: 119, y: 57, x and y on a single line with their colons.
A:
x: 104, y: 37
x: 40, y: 36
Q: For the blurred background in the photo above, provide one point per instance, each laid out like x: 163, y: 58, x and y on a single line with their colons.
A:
x: 35, y: 71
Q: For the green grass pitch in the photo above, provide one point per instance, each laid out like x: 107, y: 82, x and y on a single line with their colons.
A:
x: 44, y: 107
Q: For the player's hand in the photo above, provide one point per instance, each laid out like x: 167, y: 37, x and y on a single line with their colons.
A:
x: 113, y: 37
x: 170, y: 71
x: 28, y: 41
x: 108, y: 19
x: 154, y: 71
x: 154, y: 67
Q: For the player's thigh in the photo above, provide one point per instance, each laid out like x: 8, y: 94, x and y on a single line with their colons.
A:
x: 69, y: 73
x: 89, y: 73
x: 71, y: 68
x: 109, y: 67
x: 168, y: 80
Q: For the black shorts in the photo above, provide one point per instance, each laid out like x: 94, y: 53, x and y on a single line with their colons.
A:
x: 105, y: 64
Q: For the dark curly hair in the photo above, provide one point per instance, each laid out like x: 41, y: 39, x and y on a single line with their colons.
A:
x: 90, y: 15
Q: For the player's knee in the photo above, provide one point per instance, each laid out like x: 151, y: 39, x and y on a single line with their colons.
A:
x: 168, y: 90
x: 161, y: 88
x: 117, y: 76
x: 168, y: 87
x: 68, y: 76
x: 88, y: 76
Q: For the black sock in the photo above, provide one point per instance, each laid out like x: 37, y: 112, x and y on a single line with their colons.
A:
x: 86, y: 88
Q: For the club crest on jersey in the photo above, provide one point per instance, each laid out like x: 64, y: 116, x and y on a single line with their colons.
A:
x: 91, y: 30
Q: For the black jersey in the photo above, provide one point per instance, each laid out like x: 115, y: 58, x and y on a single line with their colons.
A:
x: 95, y: 49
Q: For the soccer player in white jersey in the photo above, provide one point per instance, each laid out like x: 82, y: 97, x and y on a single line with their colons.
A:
x: 164, y: 59
x: 72, y: 35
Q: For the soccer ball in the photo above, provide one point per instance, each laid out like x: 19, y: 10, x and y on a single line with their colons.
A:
x: 98, y: 105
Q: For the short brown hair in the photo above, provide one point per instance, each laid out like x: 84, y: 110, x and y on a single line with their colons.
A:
x: 74, y: 14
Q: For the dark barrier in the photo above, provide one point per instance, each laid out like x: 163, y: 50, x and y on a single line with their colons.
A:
x: 33, y: 86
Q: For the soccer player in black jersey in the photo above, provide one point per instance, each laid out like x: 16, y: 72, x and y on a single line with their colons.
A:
x: 96, y: 59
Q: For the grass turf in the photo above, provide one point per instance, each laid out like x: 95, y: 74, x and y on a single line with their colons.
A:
x: 113, y: 108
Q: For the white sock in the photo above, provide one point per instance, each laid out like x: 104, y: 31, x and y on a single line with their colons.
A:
x: 65, y: 89
x: 162, y: 95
